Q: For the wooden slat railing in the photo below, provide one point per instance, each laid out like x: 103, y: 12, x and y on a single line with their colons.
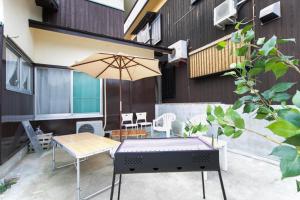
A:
x: 208, y: 60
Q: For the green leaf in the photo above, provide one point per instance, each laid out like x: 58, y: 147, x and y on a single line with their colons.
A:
x: 220, y: 131
x: 285, y: 152
x: 291, y: 115
x: 247, y: 28
x: 221, y: 45
x: 298, y: 185
x: 250, y: 107
x: 289, y: 160
x: 247, y: 98
x: 237, y: 26
x: 296, y: 99
x: 241, y: 89
x: 290, y: 168
x: 237, y: 134
x: 240, y: 81
x: 242, y: 51
x: 278, y: 68
x: 261, y: 41
x: 295, y: 62
x: 256, y: 71
x: 210, y: 118
x: 249, y: 36
x: 283, y: 128
x: 295, y: 140
x: 282, y: 87
x: 219, y: 111
x: 236, y: 37
x: 284, y: 41
x: 237, y: 104
x: 259, y: 67
x: 208, y: 109
x: 268, y: 46
x: 239, y: 123
x: 231, y: 73
x: 268, y: 94
x: 228, y: 130
x: 279, y: 97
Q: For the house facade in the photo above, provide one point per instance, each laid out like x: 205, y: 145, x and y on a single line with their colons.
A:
x: 198, y: 78
x: 39, y: 41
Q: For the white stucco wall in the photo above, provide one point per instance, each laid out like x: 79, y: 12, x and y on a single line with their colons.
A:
x: 248, y: 142
x: 1, y: 12
x: 15, y: 16
x: 47, y: 47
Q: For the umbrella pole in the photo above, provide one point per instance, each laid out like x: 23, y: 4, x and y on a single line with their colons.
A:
x: 120, y: 94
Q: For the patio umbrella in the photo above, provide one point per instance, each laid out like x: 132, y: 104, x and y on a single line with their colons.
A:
x: 118, y: 66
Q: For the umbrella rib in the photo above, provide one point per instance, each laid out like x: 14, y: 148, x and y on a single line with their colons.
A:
x: 127, y: 62
x: 107, y: 67
x: 76, y: 65
x: 110, y: 63
x: 145, y: 67
x: 127, y: 68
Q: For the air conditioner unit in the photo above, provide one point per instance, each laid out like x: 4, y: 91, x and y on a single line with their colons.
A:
x: 95, y: 127
x: 225, y: 13
x: 270, y: 13
x: 179, y: 51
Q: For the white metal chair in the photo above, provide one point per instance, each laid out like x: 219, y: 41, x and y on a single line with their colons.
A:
x: 164, y: 123
x: 127, y: 121
x: 141, y: 120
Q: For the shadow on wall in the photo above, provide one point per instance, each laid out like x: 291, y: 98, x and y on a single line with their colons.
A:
x: 249, y: 143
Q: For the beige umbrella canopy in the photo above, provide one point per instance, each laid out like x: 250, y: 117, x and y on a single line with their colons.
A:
x: 118, y: 66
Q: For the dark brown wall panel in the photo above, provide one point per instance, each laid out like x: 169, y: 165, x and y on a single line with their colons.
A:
x: 138, y: 96
x: 143, y: 97
x: 87, y: 16
x: 287, y: 26
x: 1, y: 88
x: 181, y: 21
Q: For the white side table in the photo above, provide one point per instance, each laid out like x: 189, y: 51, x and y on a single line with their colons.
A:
x: 221, y: 145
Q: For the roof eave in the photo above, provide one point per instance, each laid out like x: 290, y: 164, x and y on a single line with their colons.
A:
x: 102, y: 37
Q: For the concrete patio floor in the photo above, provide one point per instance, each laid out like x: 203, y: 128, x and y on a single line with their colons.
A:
x: 247, y: 179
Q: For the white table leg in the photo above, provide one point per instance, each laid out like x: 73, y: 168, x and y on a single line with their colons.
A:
x: 224, y: 165
x: 53, y: 156
x: 168, y: 133
x: 205, y: 175
x: 78, y: 179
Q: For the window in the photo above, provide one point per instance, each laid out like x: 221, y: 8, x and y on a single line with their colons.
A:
x: 144, y: 35
x: 62, y: 93
x: 53, y: 91
x: 18, y: 73
x: 86, y: 93
x: 151, y: 34
x: 156, y: 30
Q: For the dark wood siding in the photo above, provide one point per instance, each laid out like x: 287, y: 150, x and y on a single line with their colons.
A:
x: 138, y: 96
x: 181, y: 21
x: 287, y: 26
x: 87, y: 16
x: 15, y: 103
x: 15, y: 106
x: 1, y: 88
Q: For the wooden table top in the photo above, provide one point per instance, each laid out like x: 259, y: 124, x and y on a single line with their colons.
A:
x: 131, y: 132
x: 85, y: 144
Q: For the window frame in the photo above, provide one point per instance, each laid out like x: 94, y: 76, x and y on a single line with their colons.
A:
x: 157, y: 18
x: 20, y: 57
x: 70, y: 115
x: 150, y: 29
